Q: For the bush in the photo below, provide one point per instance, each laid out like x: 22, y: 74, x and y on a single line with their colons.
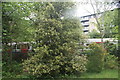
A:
x: 54, y: 66
x: 43, y: 64
x: 111, y: 48
x: 96, y: 58
x: 11, y: 70
x: 79, y: 63
x: 111, y: 62
x: 86, y: 52
x: 56, y: 46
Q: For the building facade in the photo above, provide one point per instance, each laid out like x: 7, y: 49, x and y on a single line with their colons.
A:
x: 88, y: 22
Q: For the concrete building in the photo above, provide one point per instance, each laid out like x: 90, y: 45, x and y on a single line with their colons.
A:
x: 88, y: 22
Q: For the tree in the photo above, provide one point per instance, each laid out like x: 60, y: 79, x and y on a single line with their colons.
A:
x: 103, y: 22
x: 94, y: 34
x: 110, y: 29
x: 56, y: 42
x: 16, y: 28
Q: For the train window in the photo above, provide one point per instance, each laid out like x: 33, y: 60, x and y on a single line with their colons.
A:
x: 24, y: 46
x: 18, y: 46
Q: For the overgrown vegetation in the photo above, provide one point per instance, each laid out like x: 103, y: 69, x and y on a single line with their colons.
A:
x: 11, y: 69
x: 56, y: 49
x: 96, y: 58
x: 111, y: 48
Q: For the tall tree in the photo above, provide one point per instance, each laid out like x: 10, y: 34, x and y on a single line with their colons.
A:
x: 15, y: 26
x: 102, y: 23
x: 56, y: 41
x: 110, y: 23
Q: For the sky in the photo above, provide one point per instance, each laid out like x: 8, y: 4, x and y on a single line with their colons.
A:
x: 84, y: 7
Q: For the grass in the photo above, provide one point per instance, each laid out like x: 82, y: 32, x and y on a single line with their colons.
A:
x: 109, y: 73
x: 104, y: 74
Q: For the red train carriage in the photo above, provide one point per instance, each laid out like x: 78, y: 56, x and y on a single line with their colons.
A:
x: 21, y: 47
x: 98, y: 41
x: 19, y: 50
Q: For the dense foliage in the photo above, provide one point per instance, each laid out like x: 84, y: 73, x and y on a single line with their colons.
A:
x: 99, y: 59
x: 107, y: 24
x: 110, y: 27
x: 96, y: 58
x: 111, y: 62
x: 111, y: 48
x: 11, y: 71
x: 14, y: 23
x: 56, y: 44
x: 56, y: 38
x: 94, y: 34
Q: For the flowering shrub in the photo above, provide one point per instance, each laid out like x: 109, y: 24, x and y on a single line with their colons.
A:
x: 60, y: 65
x: 111, y: 48
x: 96, y: 58
x: 111, y: 61
x: 56, y: 46
x: 79, y: 63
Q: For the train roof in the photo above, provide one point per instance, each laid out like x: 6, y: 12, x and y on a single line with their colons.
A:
x: 20, y: 43
x: 104, y: 40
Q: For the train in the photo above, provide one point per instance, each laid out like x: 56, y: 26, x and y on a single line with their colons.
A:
x: 25, y: 47
x: 98, y: 41
x: 20, y: 50
x: 20, y: 47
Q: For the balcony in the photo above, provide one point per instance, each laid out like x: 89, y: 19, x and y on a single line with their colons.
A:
x: 85, y: 25
x: 84, y: 20
x: 85, y: 30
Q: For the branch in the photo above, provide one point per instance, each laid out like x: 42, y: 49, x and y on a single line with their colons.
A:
x: 95, y: 13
